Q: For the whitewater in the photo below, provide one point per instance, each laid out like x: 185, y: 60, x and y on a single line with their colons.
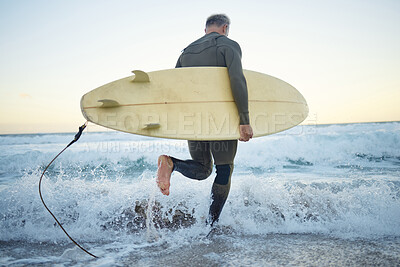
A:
x: 314, y: 195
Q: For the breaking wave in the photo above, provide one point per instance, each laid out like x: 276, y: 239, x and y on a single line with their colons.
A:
x: 341, y: 180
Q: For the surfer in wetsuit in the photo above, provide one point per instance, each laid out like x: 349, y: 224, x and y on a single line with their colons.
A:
x: 213, y: 49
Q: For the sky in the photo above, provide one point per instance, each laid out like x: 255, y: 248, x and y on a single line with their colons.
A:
x: 342, y: 55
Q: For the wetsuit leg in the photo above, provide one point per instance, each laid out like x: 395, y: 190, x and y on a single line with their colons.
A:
x: 224, y: 154
x: 200, y: 167
x: 220, y: 192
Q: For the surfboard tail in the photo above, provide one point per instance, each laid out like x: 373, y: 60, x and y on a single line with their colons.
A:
x: 83, y: 110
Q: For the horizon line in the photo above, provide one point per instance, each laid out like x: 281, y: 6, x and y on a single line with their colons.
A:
x: 107, y: 129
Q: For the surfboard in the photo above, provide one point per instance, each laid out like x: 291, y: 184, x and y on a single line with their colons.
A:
x: 193, y: 103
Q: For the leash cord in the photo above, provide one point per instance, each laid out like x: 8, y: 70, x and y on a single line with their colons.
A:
x: 77, y: 136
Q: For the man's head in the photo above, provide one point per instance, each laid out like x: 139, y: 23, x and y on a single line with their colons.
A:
x: 218, y: 23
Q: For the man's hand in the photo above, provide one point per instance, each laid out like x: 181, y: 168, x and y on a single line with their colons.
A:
x: 246, y: 132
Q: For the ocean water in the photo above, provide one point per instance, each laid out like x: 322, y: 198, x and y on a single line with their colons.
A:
x: 310, y: 196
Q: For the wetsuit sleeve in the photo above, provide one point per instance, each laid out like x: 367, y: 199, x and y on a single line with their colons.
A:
x: 233, y: 60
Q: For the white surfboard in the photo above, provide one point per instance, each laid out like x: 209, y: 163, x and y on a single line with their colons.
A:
x: 193, y: 104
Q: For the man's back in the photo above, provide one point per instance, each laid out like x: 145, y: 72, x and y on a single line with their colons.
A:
x: 209, y: 50
x: 217, y: 50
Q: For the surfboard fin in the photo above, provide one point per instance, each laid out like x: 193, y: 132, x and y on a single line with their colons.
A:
x: 140, y: 77
x: 108, y: 103
x: 151, y: 126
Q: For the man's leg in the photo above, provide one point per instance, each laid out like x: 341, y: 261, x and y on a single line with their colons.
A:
x: 199, y: 168
x: 224, y: 154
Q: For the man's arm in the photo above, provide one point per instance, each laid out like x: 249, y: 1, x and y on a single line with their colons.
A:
x: 239, y: 89
x: 238, y: 81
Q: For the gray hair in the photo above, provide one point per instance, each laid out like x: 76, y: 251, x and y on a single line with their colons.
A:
x: 218, y: 20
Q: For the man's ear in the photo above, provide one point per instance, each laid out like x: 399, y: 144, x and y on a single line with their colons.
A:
x: 226, y: 29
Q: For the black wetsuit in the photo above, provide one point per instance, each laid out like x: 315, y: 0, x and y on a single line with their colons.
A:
x: 214, y: 49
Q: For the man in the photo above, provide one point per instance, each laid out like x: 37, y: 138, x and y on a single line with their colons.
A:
x: 213, y: 49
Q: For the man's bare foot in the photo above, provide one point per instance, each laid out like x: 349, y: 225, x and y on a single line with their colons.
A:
x: 165, y: 166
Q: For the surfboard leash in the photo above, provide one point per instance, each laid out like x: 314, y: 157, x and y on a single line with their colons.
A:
x: 77, y: 136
